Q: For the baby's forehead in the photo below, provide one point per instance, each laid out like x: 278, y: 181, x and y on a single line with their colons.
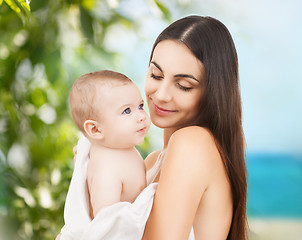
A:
x: 109, y: 88
x: 112, y: 82
x: 117, y: 97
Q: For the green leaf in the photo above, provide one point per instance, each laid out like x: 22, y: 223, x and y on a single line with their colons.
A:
x: 20, y: 7
x: 52, y: 63
x: 24, y: 4
x: 13, y: 6
x: 163, y: 9
x: 89, y: 4
x: 86, y: 23
x: 1, y: 1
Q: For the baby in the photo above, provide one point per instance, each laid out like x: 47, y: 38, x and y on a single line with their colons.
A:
x: 109, y: 110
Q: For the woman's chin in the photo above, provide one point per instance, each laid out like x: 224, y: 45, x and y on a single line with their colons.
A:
x: 160, y: 124
x: 164, y: 124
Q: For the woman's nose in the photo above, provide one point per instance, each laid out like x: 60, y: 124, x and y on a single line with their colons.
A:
x: 163, y: 91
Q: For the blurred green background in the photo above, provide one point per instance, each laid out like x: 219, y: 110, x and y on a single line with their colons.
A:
x: 46, y: 45
x: 43, y: 49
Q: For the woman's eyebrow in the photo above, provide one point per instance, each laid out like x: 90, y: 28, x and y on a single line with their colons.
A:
x: 186, y: 76
x: 177, y: 75
x: 156, y: 65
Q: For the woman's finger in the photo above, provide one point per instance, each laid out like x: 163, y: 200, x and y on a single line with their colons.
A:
x: 75, y: 150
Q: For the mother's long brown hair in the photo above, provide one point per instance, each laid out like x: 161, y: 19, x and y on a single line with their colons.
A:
x: 220, y: 107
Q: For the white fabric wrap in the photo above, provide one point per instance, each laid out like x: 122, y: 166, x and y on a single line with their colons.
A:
x: 122, y: 220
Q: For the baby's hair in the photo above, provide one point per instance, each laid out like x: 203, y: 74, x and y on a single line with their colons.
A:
x: 83, y: 92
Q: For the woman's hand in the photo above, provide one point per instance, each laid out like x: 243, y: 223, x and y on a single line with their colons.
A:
x: 75, y: 150
x: 59, y: 236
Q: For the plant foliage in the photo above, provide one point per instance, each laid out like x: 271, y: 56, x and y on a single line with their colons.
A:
x: 44, y: 47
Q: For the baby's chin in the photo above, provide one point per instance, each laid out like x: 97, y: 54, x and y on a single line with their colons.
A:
x: 141, y: 140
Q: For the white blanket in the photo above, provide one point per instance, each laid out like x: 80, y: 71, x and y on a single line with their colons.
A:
x: 122, y: 220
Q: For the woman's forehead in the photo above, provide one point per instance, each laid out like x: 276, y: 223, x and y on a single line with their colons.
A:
x: 174, y: 57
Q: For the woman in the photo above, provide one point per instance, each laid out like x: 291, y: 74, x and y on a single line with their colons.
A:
x: 192, y: 90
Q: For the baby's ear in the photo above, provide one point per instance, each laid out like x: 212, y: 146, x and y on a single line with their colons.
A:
x: 93, y: 129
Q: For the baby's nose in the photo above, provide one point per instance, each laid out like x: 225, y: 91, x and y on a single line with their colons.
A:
x: 141, y: 116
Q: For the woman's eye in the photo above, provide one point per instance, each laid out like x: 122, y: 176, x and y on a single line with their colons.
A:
x: 184, y: 88
x: 127, y: 111
x: 141, y: 107
x: 156, y: 77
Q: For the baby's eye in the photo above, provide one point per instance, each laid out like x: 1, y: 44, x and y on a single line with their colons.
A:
x: 141, y: 107
x: 127, y: 111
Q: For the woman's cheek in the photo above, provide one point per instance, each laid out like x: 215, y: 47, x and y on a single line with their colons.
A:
x: 148, y: 86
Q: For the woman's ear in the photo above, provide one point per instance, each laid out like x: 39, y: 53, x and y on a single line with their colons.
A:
x: 93, y: 129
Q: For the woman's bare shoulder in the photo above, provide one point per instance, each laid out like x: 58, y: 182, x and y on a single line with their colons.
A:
x: 151, y: 159
x: 193, y: 133
x: 193, y: 137
x: 198, y: 146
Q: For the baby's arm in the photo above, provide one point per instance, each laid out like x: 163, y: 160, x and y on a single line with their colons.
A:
x: 105, y: 186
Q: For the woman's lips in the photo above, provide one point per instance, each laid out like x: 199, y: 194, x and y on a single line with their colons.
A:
x: 162, y: 111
